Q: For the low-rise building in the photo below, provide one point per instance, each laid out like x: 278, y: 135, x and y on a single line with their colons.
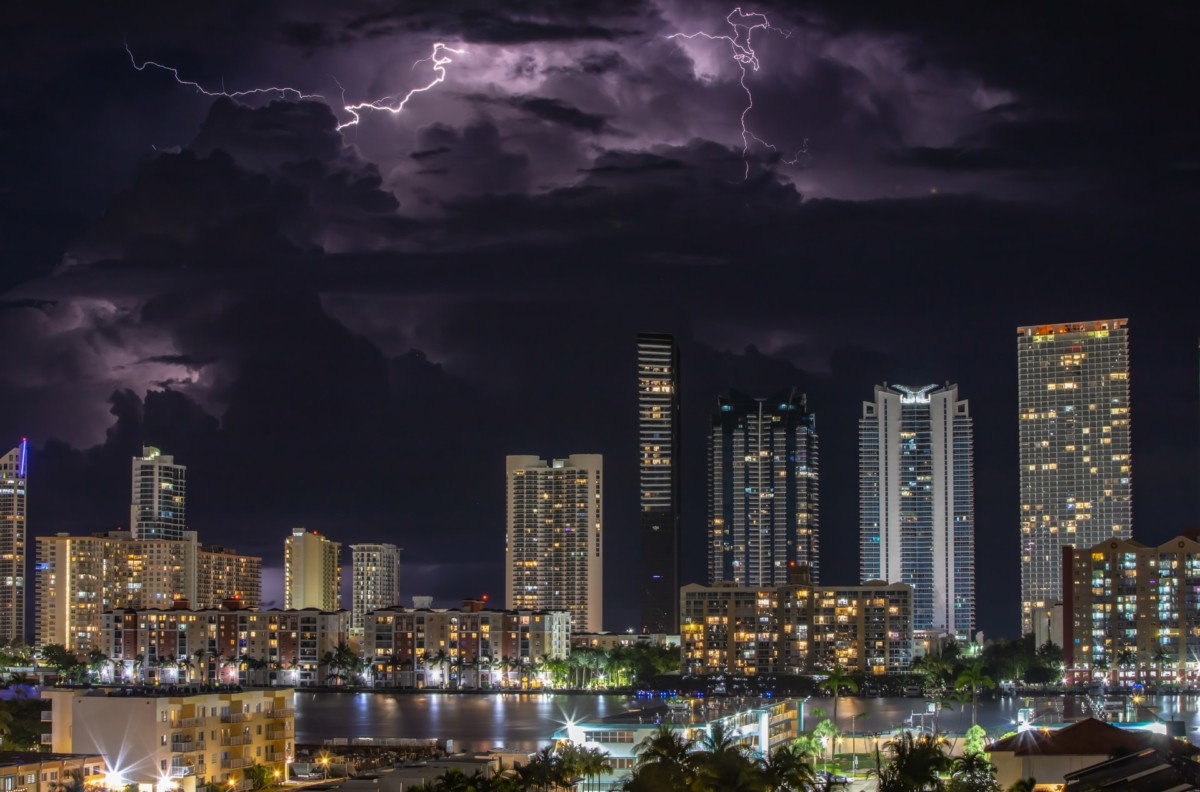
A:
x: 796, y: 629
x: 468, y: 647
x: 152, y: 737
x: 232, y: 645
x: 606, y: 641
x: 761, y: 730
x: 28, y: 771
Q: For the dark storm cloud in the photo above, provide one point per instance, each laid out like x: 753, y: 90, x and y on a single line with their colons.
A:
x: 554, y: 111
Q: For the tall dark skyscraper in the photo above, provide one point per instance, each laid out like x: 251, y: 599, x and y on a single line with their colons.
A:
x: 762, y: 490
x: 658, y: 474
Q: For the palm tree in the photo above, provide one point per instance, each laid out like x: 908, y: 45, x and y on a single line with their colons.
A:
x: 914, y: 764
x: 1023, y: 785
x: 97, y: 660
x: 837, y: 680
x: 201, y: 668
x: 71, y: 781
x: 972, y: 771
x: 788, y: 770
x: 439, y: 659
x: 972, y: 679
x: 1161, y: 658
x: 664, y: 760
x: 1127, y: 658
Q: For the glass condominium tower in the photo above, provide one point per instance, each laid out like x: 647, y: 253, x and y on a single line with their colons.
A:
x: 917, y: 501
x: 762, y: 490
x: 658, y: 475
x: 13, y: 481
x: 159, y: 504
x: 1076, y: 482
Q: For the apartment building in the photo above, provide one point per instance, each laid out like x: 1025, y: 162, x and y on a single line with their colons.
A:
x: 30, y: 771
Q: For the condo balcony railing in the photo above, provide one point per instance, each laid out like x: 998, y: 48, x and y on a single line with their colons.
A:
x: 282, y: 712
x: 189, y: 723
x: 235, y: 717
x: 186, y: 746
x: 235, y: 764
x: 279, y: 733
x: 235, y: 739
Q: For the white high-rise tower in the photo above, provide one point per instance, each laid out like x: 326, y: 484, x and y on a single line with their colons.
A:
x: 159, y: 504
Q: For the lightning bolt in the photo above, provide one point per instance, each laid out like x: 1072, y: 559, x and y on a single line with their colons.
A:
x: 746, y: 58
x: 438, y: 59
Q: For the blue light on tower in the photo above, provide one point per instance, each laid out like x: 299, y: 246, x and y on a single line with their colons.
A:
x: 24, y: 457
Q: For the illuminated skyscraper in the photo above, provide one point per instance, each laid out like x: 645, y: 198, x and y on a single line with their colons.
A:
x: 762, y: 490
x: 659, y: 457
x: 374, y: 580
x: 159, y: 505
x: 1076, y: 481
x: 917, y: 501
x: 12, y: 542
x: 553, y: 554
x: 312, y: 574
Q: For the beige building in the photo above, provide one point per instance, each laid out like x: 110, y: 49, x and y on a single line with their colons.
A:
x: 28, y: 771
x: 796, y: 629
x: 472, y: 647
x: 150, y: 738
x: 1132, y: 611
x: 233, y: 645
x: 79, y: 577
x: 554, y: 556
x: 13, y: 486
x: 312, y: 574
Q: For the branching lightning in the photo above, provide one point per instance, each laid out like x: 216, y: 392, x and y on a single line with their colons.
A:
x: 740, y: 44
x: 438, y: 59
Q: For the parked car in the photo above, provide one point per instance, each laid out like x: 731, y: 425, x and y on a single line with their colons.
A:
x: 828, y: 780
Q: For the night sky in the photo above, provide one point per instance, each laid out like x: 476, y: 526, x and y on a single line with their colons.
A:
x: 349, y: 330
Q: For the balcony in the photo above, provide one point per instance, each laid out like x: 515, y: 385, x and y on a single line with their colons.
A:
x: 282, y: 713
x: 189, y: 723
x: 235, y: 764
x: 235, y: 739
x: 235, y: 717
x: 179, y: 771
x: 279, y: 733
x: 186, y: 746
x: 275, y: 756
x: 47, y: 716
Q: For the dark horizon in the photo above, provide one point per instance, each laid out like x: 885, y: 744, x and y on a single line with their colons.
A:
x: 347, y: 325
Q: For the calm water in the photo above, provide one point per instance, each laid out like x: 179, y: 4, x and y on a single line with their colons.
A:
x: 526, y: 721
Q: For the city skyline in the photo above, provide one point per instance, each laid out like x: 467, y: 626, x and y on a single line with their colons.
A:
x: 338, y: 325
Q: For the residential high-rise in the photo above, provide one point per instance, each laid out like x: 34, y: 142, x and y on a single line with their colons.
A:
x: 223, y: 574
x: 1076, y: 481
x: 762, y: 490
x: 659, y: 476
x: 13, y: 484
x: 312, y: 574
x: 77, y: 579
x: 159, y: 504
x: 917, y: 501
x: 374, y: 580
x: 553, y: 554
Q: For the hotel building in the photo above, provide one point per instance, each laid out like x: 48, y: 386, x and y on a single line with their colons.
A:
x: 472, y: 647
x: 553, y: 552
x: 796, y: 629
x: 152, y: 738
x: 1133, y: 611
x: 917, y: 501
x: 159, y: 504
x: 312, y: 573
x: 659, y: 476
x: 762, y: 490
x: 13, y: 485
x: 1076, y: 478
x: 374, y: 581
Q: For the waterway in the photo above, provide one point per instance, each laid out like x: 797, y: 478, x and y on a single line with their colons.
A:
x: 526, y: 721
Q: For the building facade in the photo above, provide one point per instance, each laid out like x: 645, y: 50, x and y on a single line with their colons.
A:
x: 13, y: 485
x: 177, y: 741
x: 554, y: 550
x: 796, y: 629
x: 374, y: 581
x: 1076, y: 475
x: 472, y: 647
x: 1133, y: 611
x: 659, y: 458
x: 231, y: 645
x: 223, y: 574
x: 917, y: 501
x: 158, y: 507
x: 762, y: 490
x: 312, y: 572
x: 30, y: 771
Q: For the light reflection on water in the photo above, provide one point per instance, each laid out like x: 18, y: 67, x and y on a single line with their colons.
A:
x: 526, y: 721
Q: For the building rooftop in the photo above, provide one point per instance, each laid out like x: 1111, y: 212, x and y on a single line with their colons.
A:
x: 1089, y: 737
x: 33, y: 757
x: 1072, y: 327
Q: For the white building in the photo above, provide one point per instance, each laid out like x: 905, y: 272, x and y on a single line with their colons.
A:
x: 13, y: 481
x: 158, y: 507
x: 1074, y: 443
x: 312, y: 574
x: 374, y: 580
x: 553, y: 554
x: 917, y: 501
